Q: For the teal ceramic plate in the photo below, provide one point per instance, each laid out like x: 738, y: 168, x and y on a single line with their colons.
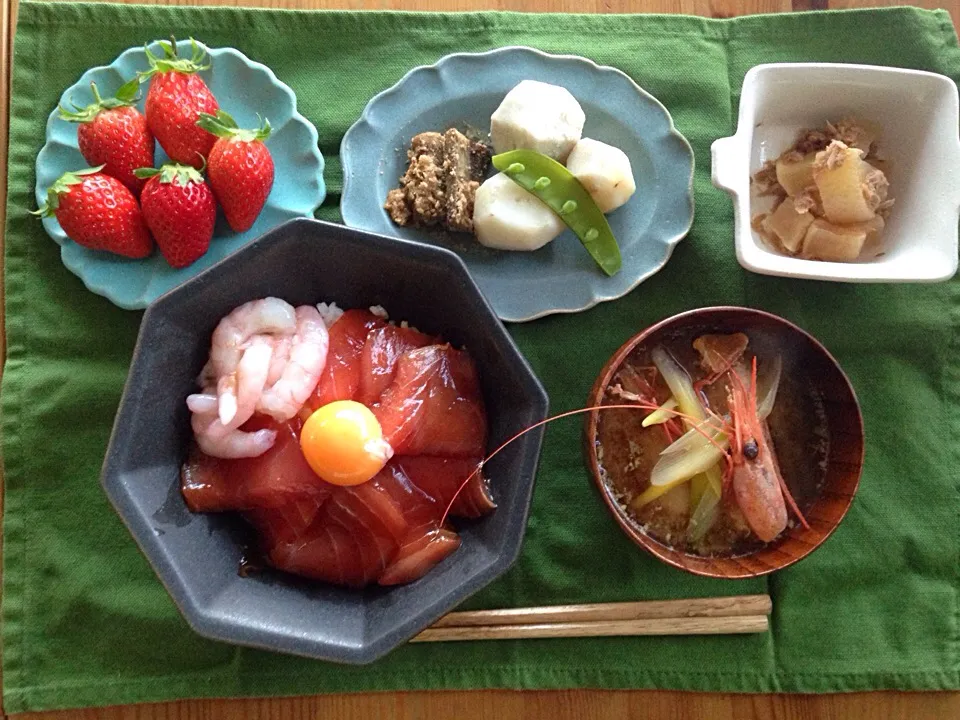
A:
x: 242, y: 87
x: 462, y: 91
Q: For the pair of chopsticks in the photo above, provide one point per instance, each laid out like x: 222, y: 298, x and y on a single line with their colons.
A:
x: 697, y: 616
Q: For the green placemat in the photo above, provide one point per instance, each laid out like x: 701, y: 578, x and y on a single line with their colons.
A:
x: 85, y: 622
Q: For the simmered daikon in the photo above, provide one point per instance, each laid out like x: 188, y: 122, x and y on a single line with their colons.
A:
x: 834, y: 192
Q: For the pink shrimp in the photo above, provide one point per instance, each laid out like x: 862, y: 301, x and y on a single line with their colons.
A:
x: 240, y: 390
x: 757, y: 485
x: 307, y: 357
x: 281, y: 353
x: 218, y: 440
x: 240, y: 355
x: 757, y: 490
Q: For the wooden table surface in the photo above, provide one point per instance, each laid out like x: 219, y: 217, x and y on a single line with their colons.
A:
x: 500, y: 704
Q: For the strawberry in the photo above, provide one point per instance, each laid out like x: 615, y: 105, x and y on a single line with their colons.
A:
x: 240, y: 168
x: 114, y: 134
x: 176, y: 97
x: 98, y: 212
x: 180, y: 210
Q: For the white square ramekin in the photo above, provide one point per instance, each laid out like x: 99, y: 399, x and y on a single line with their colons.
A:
x: 918, y: 114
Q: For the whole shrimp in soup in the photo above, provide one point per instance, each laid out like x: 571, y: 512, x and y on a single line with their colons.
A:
x: 756, y: 486
x: 307, y: 358
x: 753, y: 469
x: 701, y: 471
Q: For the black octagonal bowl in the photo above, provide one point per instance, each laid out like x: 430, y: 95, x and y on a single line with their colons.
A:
x: 197, y: 556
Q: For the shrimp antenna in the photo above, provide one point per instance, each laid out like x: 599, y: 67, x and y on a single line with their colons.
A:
x: 560, y: 416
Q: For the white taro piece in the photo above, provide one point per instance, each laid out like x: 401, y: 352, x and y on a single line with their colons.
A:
x: 537, y: 116
x: 507, y: 217
x: 604, y: 171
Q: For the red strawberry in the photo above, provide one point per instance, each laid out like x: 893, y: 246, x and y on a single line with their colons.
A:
x: 175, y: 100
x: 98, y: 212
x: 114, y: 134
x: 180, y: 211
x: 240, y: 168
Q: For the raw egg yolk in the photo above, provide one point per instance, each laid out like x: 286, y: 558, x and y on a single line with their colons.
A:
x: 343, y: 443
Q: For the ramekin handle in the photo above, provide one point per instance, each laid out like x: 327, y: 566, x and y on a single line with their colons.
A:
x: 728, y: 163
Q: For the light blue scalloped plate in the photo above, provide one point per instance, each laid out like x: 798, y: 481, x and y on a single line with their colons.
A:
x: 243, y: 88
x: 463, y: 90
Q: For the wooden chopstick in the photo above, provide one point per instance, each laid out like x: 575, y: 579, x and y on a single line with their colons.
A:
x: 696, y: 616
x: 600, y: 628
x: 646, y: 609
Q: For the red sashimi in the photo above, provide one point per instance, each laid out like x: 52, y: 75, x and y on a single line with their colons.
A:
x: 434, y: 406
x: 378, y: 361
x: 374, y: 500
x: 425, y: 543
x: 337, y: 546
x: 278, y: 477
x: 441, y: 478
x: 327, y: 552
x: 389, y: 505
x: 375, y: 548
x: 341, y: 374
x: 386, y: 530
x: 351, y: 509
x: 419, y: 555
x: 287, y: 523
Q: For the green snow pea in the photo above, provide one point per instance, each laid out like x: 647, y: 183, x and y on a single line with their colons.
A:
x: 552, y: 183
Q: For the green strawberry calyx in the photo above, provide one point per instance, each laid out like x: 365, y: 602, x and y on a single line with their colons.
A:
x: 127, y: 94
x: 171, y: 61
x: 61, y: 186
x: 183, y: 174
x: 224, y: 126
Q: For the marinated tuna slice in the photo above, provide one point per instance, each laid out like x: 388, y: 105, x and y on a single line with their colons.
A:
x: 376, y: 548
x: 278, y: 477
x: 356, y: 535
x: 373, y: 509
x: 333, y: 547
x: 326, y: 551
x: 341, y: 374
x: 415, y: 506
x: 418, y: 555
x: 377, y: 502
x: 434, y: 406
x: 286, y: 523
x: 378, y: 360
x: 441, y: 478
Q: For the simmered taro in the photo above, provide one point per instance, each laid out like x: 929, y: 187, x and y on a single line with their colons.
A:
x: 727, y: 447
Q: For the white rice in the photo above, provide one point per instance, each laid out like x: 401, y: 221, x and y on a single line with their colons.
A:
x: 330, y: 313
